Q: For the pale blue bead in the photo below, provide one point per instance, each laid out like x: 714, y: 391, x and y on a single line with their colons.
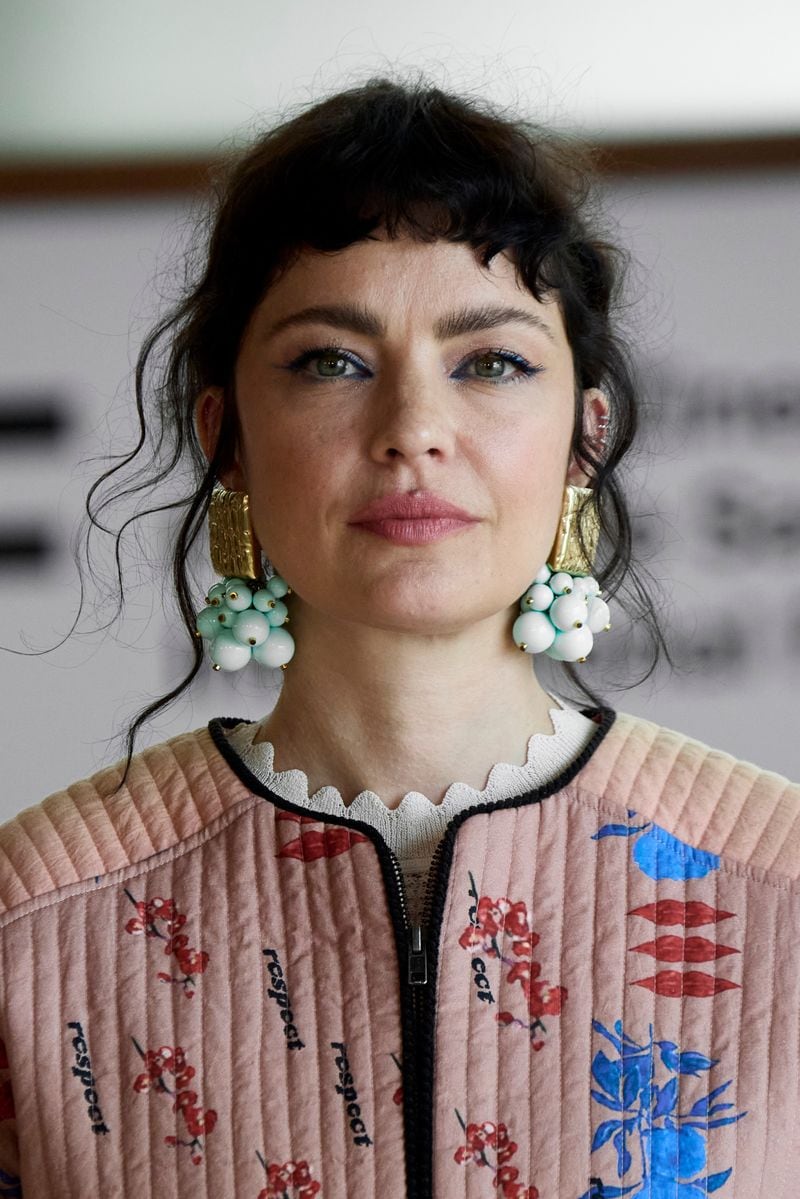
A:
x: 251, y: 628
x: 569, y: 612
x: 277, y: 586
x: 216, y: 594
x: 278, y: 614
x: 228, y: 653
x: 572, y: 645
x: 561, y: 582
x: 208, y: 623
x: 264, y: 601
x: 543, y: 575
x: 277, y: 650
x: 599, y: 614
x: 534, y: 631
x: 541, y: 597
x: 225, y: 616
x: 238, y: 596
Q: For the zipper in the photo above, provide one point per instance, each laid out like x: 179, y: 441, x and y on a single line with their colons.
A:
x: 417, y: 959
x: 418, y: 1052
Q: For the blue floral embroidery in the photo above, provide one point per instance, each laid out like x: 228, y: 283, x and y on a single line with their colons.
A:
x: 670, y: 1146
x: 660, y: 855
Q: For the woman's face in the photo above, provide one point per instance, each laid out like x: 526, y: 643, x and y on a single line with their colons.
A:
x: 430, y: 387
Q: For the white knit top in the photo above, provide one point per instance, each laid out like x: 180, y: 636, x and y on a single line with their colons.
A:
x: 414, y: 828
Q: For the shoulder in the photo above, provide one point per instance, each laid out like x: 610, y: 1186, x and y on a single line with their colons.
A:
x: 173, y: 791
x: 705, y: 796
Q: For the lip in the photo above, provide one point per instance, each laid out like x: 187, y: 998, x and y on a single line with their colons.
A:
x: 409, y: 506
x: 414, y: 532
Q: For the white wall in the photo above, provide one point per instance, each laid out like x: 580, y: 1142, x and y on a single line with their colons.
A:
x: 96, y: 76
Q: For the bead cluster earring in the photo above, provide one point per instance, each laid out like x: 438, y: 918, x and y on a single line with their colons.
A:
x: 563, y: 609
x: 245, y: 613
x: 560, y: 613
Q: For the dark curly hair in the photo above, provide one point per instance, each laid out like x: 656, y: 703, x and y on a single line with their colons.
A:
x: 407, y: 157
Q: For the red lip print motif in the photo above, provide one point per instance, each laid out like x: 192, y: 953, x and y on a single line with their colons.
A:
x: 327, y: 842
x: 674, y: 984
x: 680, y: 949
x: 672, y: 911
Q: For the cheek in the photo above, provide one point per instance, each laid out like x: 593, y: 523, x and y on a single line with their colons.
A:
x: 530, y: 463
x: 529, y: 472
x: 289, y: 477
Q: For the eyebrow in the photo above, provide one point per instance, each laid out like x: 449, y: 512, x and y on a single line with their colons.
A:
x: 452, y: 324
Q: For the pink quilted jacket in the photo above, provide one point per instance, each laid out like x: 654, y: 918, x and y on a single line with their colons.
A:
x: 208, y: 992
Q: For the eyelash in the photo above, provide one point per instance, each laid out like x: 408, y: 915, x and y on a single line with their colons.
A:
x: 526, y: 369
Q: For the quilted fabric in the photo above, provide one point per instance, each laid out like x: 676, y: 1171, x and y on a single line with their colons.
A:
x: 205, y: 991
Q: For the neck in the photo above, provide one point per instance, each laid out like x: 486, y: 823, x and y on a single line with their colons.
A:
x: 373, y: 708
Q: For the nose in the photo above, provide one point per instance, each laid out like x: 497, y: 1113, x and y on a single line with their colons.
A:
x: 412, y: 419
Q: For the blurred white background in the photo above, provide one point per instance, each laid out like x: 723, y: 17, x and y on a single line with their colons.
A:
x: 714, y: 299
x: 95, y: 76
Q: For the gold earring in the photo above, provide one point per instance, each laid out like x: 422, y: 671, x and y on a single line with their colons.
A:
x: 578, y: 516
x: 235, y: 552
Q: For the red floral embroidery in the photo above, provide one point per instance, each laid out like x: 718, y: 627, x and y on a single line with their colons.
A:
x: 488, y: 1136
x: 154, y: 912
x: 292, y: 1180
x: 167, y: 1060
x: 494, y: 921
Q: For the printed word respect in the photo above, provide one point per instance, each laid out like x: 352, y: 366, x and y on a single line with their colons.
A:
x: 83, y: 1070
x: 279, y: 993
x: 346, y: 1088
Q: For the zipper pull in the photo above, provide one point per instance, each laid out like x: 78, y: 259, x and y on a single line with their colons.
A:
x: 417, y: 958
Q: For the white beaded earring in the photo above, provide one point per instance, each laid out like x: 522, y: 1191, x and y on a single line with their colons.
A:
x: 562, y: 610
x: 245, y: 613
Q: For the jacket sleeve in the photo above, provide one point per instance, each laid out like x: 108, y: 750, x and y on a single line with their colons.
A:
x: 10, y: 1185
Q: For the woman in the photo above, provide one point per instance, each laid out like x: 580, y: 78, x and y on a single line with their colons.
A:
x: 293, y: 957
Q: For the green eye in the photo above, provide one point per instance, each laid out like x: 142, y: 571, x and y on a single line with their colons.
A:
x: 330, y: 364
x: 499, y: 358
x: 331, y: 360
x: 499, y: 364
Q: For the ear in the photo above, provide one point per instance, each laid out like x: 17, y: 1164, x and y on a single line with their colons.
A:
x: 595, y: 413
x: 208, y: 409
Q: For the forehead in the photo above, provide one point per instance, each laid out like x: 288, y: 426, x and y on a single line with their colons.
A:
x: 406, y: 281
